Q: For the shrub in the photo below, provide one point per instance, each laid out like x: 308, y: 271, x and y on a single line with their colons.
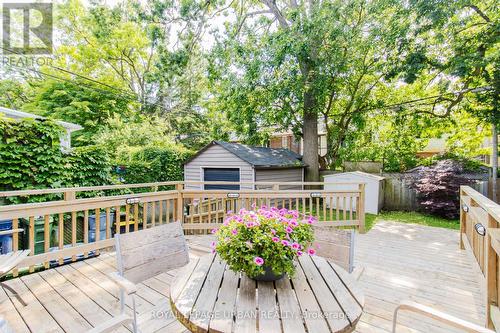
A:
x: 438, y: 187
x: 155, y: 164
x: 249, y: 241
x: 468, y: 164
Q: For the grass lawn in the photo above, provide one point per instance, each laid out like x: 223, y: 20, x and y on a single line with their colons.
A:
x: 411, y: 217
x: 393, y: 216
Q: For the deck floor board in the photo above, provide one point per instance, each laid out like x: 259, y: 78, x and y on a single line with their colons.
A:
x: 400, y: 261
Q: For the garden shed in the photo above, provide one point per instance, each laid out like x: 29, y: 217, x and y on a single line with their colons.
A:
x: 374, y: 187
x: 235, y: 162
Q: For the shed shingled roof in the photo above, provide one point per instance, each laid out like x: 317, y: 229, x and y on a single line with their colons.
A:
x: 259, y: 157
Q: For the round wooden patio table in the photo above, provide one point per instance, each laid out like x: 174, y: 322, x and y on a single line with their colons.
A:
x: 207, y: 296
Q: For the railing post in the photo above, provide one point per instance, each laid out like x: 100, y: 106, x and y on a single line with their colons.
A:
x: 361, y: 208
x: 180, y: 202
x: 462, y: 221
x: 491, y: 273
x: 70, y: 195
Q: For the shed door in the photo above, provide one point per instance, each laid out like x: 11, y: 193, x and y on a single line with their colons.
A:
x: 221, y: 175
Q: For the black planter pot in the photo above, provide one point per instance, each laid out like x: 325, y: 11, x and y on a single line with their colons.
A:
x: 268, y: 275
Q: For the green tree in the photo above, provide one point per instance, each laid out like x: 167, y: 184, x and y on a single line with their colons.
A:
x: 78, y: 102
x: 291, y: 64
x: 457, y: 43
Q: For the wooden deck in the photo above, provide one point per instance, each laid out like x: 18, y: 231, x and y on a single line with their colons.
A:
x: 401, y: 261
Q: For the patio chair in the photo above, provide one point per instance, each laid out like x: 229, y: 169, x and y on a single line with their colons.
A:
x: 337, y: 245
x: 10, y: 261
x: 437, y: 315
x: 141, y: 255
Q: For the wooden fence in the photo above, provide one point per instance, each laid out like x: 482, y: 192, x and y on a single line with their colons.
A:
x: 480, y: 235
x: 399, y: 196
x: 66, y: 230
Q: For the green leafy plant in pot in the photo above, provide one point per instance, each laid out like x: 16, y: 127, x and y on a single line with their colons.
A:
x: 264, y: 243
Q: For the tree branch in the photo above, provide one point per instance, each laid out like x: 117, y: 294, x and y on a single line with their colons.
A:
x: 479, y: 12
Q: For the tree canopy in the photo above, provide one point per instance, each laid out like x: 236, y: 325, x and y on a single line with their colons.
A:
x: 380, y: 77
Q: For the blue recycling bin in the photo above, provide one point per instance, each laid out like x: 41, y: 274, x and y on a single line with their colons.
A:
x: 5, y: 240
x: 102, y: 226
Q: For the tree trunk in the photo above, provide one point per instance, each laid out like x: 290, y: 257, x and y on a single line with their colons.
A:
x: 494, y: 160
x: 310, y: 137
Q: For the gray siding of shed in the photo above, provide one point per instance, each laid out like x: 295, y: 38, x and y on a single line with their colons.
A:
x: 280, y: 175
x: 217, y: 157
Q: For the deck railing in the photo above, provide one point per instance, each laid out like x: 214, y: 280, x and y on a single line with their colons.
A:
x: 78, y: 225
x: 480, y: 235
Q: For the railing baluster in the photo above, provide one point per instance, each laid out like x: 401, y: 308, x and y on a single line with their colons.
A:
x: 153, y: 213
x: 46, y: 237
x: 160, y: 212
x: 15, y: 241
x: 85, y: 230
x: 350, y: 207
x: 317, y: 208
x: 136, y: 216
x: 330, y: 198
x: 117, y: 220
x: 61, y: 236
x: 337, y: 209
x: 144, y: 215
x: 108, y: 223
x: 127, y: 218
x: 209, y: 212
x: 344, y: 206
x: 97, y: 227
x: 167, y: 216
x: 31, y: 233
x: 73, y: 232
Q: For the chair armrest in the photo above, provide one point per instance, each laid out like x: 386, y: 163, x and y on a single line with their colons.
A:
x: 112, y: 324
x: 439, y: 316
x: 10, y: 232
x: 123, y: 283
x: 357, y: 271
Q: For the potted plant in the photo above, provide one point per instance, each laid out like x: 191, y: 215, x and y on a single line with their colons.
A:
x: 264, y: 242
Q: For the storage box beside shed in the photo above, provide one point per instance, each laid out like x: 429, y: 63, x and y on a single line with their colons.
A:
x: 374, y: 188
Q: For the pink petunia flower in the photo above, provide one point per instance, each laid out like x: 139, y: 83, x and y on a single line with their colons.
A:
x: 273, y: 231
x: 296, y: 246
x: 214, y: 230
x: 311, y: 251
x: 288, y: 230
x: 234, y: 231
x: 258, y: 261
x: 285, y: 243
x: 275, y: 239
x: 300, y: 253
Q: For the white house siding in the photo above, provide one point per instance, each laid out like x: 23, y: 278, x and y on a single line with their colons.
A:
x: 280, y: 175
x: 217, y: 157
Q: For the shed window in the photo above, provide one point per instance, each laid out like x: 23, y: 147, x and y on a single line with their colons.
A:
x: 221, y: 175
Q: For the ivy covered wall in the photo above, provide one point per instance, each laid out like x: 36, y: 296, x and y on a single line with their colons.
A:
x: 31, y: 158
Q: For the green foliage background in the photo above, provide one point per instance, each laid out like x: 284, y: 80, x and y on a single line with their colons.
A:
x: 155, y: 164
